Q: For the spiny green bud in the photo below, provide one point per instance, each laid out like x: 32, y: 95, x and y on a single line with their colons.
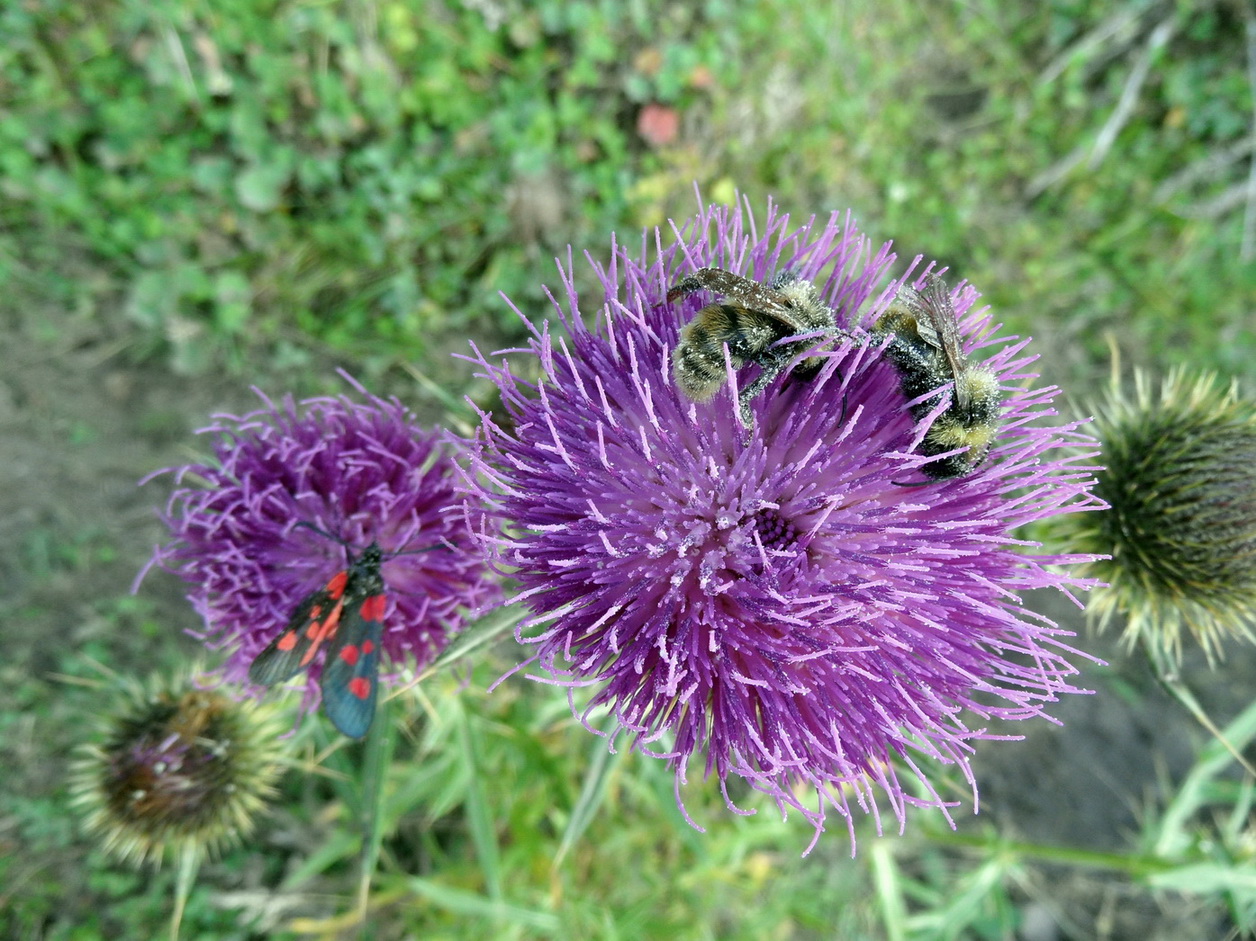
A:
x: 1181, y: 531
x: 180, y: 770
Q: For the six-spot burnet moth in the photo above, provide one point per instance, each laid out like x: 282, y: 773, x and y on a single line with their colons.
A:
x: 345, y: 617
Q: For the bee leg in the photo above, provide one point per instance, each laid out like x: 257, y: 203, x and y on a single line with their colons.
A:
x: 770, y: 370
x: 747, y: 420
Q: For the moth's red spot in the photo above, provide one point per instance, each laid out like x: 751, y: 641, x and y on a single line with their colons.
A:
x: 373, y: 608
x: 360, y: 686
x: 368, y: 646
x: 336, y: 587
x: 287, y: 641
x: 319, y: 631
x: 350, y: 653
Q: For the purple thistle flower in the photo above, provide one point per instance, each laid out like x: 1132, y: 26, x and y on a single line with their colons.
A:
x: 797, y: 602
x: 244, y: 533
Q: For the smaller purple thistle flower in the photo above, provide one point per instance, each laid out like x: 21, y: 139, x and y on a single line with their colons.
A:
x: 250, y: 532
x: 776, y: 601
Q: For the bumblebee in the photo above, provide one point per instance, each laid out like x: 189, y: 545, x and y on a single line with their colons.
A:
x: 925, y: 350
x: 751, y: 321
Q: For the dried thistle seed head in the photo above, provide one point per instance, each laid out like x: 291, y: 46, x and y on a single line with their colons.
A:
x: 1181, y: 484
x: 178, y: 770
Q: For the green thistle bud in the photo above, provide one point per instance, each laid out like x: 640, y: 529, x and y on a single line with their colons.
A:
x: 1181, y: 483
x: 182, y: 771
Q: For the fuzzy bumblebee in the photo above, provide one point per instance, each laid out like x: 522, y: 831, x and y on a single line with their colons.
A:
x: 755, y: 322
x: 925, y: 349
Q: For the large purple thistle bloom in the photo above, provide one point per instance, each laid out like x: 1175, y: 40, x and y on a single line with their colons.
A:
x: 778, y: 600
x: 244, y: 537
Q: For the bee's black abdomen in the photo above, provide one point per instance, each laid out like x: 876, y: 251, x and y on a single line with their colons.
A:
x: 918, y: 370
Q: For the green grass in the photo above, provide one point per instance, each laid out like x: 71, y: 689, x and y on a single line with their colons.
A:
x: 263, y: 174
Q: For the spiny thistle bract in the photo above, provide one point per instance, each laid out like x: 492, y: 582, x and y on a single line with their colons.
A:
x: 179, y: 769
x: 775, y: 602
x: 1181, y: 531
x: 359, y: 472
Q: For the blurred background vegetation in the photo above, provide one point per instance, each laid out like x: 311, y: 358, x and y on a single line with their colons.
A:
x: 210, y: 192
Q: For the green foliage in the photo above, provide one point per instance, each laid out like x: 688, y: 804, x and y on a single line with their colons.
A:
x: 482, y: 794
x: 372, y: 174
x: 365, y: 173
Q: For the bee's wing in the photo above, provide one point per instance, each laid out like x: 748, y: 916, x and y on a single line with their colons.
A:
x: 941, y: 312
x: 907, y: 314
x: 749, y: 295
x: 774, y: 309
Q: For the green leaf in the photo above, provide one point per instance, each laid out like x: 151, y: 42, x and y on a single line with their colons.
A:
x: 260, y: 186
x: 233, y: 300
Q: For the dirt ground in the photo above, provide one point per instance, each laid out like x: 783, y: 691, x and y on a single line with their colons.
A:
x: 82, y: 423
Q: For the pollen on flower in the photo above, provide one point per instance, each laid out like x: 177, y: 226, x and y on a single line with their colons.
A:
x: 766, y: 597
